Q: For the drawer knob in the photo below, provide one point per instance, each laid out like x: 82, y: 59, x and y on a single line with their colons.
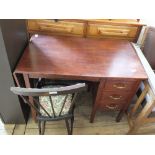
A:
x: 119, y: 86
x: 112, y: 107
x: 115, y: 97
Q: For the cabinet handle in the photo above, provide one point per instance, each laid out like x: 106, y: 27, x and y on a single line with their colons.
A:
x: 112, y: 107
x: 115, y: 98
x: 119, y: 87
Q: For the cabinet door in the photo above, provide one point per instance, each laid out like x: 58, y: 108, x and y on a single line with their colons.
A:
x: 56, y: 27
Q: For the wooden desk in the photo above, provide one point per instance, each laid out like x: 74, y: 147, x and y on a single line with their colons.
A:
x: 112, y: 63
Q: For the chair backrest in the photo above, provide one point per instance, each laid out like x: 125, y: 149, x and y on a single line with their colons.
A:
x: 35, y: 92
x: 141, y: 113
x: 147, y: 87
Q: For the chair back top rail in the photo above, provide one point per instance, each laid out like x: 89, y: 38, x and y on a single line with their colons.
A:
x: 147, y: 67
x: 49, y: 91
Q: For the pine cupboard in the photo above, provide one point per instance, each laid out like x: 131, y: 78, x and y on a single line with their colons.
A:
x: 101, y: 28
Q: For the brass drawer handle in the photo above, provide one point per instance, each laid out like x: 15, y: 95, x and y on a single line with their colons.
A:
x: 119, y: 87
x: 115, y: 98
x: 112, y: 107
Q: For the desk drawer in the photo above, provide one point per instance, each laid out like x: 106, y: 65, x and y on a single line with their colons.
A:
x: 112, y: 31
x: 113, y: 100
x: 114, y: 97
x: 110, y: 106
x: 119, y: 85
x: 59, y: 27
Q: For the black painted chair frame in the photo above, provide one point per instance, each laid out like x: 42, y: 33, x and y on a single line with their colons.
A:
x: 24, y: 93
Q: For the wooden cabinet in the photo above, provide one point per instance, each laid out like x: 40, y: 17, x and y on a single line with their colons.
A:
x: 128, y: 29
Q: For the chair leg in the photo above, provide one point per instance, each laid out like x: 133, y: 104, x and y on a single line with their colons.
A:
x: 41, y: 126
x: 133, y: 130
x: 72, y: 122
x: 67, y: 126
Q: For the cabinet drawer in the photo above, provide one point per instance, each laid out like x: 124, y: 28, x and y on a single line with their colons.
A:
x: 113, y: 100
x: 59, y: 27
x: 114, y: 31
x: 115, y: 85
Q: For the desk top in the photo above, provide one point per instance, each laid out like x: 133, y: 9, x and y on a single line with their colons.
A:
x: 80, y: 57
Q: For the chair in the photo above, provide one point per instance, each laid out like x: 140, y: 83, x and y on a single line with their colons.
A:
x: 144, y: 109
x: 52, y: 103
x: 144, y: 113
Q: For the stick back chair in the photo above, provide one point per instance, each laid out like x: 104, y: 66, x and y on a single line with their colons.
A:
x: 143, y: 112
x: 52, y: 103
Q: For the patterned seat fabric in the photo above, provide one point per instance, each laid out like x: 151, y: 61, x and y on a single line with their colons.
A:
x: 57, y: 101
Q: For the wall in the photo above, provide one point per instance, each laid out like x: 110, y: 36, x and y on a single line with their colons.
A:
x: 13, y: 39
x: 149, y: 22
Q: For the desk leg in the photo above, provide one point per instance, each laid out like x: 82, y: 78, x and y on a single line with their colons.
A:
x: 120, y: 115
x: 93, y: 114
x: 16, y: 79
x: 28, y: 85
x: 124, y: 110
x: 97, y: 99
